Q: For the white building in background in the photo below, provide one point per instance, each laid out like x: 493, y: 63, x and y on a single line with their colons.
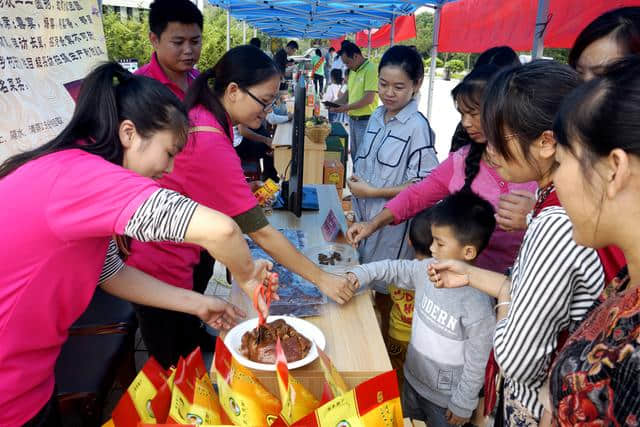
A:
x: 132, y: 8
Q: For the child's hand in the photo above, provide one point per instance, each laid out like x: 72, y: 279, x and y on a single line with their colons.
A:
x: 454, y: 419
x: 353, y: 280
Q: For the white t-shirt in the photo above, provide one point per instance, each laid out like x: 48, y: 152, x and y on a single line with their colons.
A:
x: 334, y: 92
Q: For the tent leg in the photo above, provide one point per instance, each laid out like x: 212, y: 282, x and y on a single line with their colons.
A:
x: 434, y: 56
x: 393, y: 30
x: 228, y: 30
x: 369, y: 43
x: 540, y: 28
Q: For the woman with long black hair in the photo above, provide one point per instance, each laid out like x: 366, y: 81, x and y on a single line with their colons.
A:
x: 68, y: 197
x: 240, y: 89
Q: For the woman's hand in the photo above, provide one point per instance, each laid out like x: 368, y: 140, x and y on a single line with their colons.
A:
x: 360, y: 188
x: 338, y: 288
x: 261, y: 271
x: 449, y: 274
x: 359, y: 231
x: 513, y: 209
x: 220, y: 314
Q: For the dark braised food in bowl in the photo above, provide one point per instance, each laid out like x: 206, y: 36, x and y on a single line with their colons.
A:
x: 263, y: 350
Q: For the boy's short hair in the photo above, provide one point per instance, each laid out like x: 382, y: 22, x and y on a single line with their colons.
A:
x: 293, y: 45
x: 255, y: 42
x: 161, y: 12
x: 471, y: 218
x: 336, y: 76
x: 420, y: 233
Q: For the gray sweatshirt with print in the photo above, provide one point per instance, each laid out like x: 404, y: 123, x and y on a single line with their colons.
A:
x: 451, y: 336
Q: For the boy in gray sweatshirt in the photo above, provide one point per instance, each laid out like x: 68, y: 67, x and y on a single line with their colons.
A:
x: 452, y: 328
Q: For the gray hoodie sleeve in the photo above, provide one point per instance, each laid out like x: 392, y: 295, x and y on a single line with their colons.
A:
x: 479, y: 340
x: 404, y: 273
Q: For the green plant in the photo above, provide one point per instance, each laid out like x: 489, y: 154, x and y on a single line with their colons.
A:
x: 127, y: 39
x: 455, y: 65
x: 427, y: 63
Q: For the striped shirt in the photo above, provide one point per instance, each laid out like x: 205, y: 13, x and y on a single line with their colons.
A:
x: 165, y: 215
x: 554, y: 283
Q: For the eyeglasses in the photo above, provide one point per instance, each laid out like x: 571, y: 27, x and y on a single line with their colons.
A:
x: 265, y: 107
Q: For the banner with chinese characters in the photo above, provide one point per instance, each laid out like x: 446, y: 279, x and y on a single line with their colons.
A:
x: 46, y: 48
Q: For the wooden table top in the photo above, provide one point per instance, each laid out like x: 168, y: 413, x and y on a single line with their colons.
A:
x: 354, y: 341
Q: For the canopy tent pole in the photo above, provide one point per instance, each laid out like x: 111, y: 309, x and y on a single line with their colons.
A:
x: 540, y: 29
x: 244, y: 32
x: 255, y: 32
x: 434, y: 59
x: 393, y: 29
x: 369, y: 43
x: 228, y: 30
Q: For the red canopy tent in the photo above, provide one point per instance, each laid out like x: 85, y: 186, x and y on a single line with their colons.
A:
x: 476, y: 25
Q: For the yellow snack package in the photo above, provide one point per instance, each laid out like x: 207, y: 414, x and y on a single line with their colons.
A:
x: 374, y: 403
x: 242, y: 397
x: 297, y: 401
x: 193, y: 399
x: 135, y: 405
x: 334, y: 385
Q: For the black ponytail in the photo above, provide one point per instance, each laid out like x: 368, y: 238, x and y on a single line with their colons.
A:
x: 472, y: 163
x: 109, y: 95
x: 244, y: 65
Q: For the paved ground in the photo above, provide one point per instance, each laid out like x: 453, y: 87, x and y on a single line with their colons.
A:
x: 444, y: 116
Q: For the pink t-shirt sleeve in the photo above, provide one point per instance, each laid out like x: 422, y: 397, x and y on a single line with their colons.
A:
x: 94, y: 198
x: 212, y: 175
x: 423, y: 194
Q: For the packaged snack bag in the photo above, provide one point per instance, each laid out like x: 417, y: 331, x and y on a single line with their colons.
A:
x: 161, y: 403
x: 374, y: 403
x: 243, y: 398
x: 334, y: 385
x: 135, y: 404
x: 297, y: 401
x: 193, y: 399
x: 267, y: 192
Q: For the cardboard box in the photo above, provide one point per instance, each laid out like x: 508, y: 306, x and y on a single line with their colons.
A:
x: 334, y: 173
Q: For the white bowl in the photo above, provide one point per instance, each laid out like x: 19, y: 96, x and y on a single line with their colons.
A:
x: 233, y: 341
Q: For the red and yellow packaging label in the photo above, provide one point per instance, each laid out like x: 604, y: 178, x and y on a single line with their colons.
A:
x: 243, y: 398
x: 374, y: 403
x: 135, y: 404
x: 335, y: 385
x: 193, y: 400
x: 297, y: 401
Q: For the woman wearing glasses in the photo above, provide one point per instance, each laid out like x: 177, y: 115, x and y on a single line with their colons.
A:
x: 239, y: 90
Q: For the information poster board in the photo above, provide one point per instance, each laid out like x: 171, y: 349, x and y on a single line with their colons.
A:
x: 46, y: 48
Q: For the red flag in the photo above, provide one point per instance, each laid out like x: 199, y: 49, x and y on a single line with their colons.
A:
x: 405, y: 30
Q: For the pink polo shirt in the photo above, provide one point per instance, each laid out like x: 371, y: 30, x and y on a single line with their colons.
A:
x: 155, y: 71
x: 448, y: 178
x: 209, y: 171
x: 60, y: 211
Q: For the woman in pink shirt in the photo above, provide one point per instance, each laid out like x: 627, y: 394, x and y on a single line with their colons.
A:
x: 68, y: 197
x: 467, y: 167
x: 240, y: 89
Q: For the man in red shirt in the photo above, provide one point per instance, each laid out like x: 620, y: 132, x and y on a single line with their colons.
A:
x: 176, y: 35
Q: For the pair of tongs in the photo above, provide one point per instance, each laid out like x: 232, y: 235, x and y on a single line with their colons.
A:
x: 265, y: 290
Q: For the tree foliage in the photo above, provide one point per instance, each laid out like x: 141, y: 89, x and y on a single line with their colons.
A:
x: 129, y: 38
